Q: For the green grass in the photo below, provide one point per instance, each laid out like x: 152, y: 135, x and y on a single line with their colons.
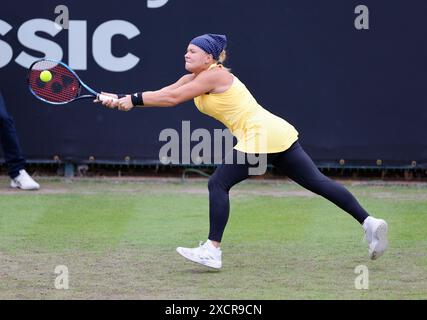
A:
x: 118, y: 240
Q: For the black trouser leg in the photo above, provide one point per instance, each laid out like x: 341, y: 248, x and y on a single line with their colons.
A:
x: 298, y: 166
x: 220, y: 183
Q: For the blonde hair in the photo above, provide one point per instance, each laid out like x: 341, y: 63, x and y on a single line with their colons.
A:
x: 222, y: 57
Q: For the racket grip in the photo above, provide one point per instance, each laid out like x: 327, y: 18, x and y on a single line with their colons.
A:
x: 103, y: 97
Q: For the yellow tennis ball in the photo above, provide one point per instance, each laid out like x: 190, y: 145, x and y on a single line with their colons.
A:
x: 45, y: 76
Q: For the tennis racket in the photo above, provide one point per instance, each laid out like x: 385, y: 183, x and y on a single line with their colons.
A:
x: 64, y: 85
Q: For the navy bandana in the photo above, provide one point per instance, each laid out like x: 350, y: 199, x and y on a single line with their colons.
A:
x: 212, y: 44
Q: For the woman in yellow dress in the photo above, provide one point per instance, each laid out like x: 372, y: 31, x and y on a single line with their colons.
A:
x: 220, y: 94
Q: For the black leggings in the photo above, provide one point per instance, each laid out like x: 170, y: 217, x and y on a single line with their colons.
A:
x: 293, y: 162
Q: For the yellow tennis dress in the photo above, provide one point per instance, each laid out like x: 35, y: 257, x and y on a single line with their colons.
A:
x: 256, y: 129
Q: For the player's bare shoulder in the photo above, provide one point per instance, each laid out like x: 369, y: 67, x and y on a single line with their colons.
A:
x: 222, y: 78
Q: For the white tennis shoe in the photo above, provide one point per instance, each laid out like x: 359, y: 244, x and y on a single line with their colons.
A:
x: 206, y: 254
x: 376, y: 236
x: 24, y: 181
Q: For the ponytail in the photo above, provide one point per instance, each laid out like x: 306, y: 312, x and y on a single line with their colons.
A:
x: 222, y: 57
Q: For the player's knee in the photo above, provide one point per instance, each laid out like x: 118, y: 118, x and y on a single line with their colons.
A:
x: 214, y: 184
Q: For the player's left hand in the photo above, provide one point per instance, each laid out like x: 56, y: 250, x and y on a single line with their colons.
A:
x: 125, y: 103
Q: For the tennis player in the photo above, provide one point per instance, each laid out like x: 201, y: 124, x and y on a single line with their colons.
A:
x: 220, y: 94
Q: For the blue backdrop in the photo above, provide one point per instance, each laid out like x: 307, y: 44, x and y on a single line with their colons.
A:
x: 358, y: 95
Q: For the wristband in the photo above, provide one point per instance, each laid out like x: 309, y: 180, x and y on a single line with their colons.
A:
x: 137, y: 99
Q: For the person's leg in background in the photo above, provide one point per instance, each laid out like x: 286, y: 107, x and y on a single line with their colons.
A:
x: 299, y: 167
x: 13, y: 156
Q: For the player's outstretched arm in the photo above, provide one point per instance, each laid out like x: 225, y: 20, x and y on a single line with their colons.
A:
x: 181, y: 81
x: 168, y: 96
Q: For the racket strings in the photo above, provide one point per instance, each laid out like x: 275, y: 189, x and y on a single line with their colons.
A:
x: 63, y: 87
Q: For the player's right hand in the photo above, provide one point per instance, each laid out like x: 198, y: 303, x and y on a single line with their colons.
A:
x: 109, y: 103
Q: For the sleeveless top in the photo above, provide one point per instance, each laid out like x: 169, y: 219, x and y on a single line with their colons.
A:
x: 256, y: 129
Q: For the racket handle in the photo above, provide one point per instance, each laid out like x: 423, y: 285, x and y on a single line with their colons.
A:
x: 103, y: 97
